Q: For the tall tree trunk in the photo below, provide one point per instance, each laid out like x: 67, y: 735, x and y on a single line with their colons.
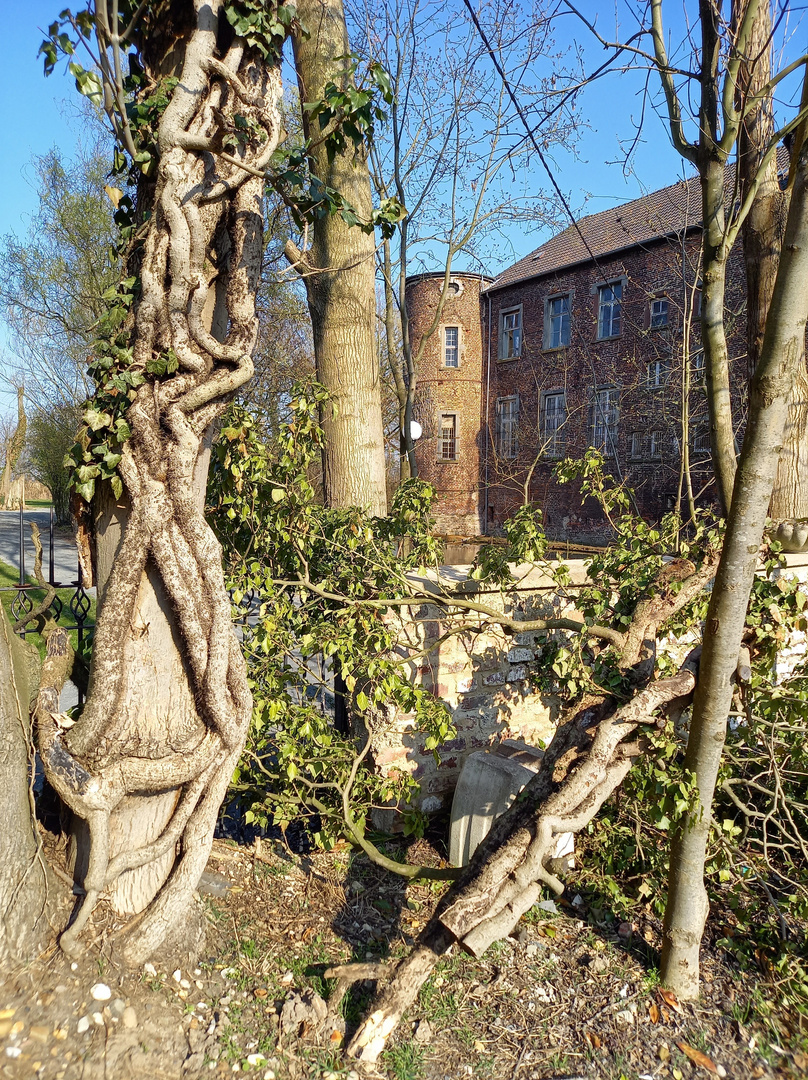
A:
x: 149, y: 760
x: 781, y: 353
x: 339, y: 273
x: 713, y: 331
x: 762, y: 234
x: 790, y: 494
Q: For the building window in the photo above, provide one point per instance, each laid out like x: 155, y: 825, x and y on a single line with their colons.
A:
x: 510, y: 334
x: 697, y: 304
x: 557, y: 322
x: 655, y: 445
x: 554, y: 415
x: 700, y: 441
x: 507, y: 426
x: 697, y: 368
x: 451, y: 346
x: 658, y: 373
x: 636, y: 445
x: 447, y: 437
x: 659, y: 314
x: 610, y: 299
x: 603, y: 423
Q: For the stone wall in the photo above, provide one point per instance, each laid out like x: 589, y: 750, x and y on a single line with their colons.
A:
x: 487, y: 679
x: 485, y: 676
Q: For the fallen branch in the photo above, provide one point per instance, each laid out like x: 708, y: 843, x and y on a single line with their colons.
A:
x: 582, y: 766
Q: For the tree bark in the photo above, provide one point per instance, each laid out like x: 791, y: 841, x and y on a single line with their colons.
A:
x: 782, y: 349
x: 713, y: 331
x: 339, y: 274
x: 149, y: 760
x: 762, y: 233
x: 790, y: 493
x: 28, y: 898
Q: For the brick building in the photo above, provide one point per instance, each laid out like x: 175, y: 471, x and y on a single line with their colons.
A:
x: 591, y: 340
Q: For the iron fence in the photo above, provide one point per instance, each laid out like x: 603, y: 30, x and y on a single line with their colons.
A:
x: 75, y: 608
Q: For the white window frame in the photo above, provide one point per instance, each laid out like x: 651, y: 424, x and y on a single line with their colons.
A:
x: 611, y: 308
x: 508, y: 426
x: 700, y: 440
x: 635, y: 451
x: 510, y: 333
x: 698, y: 373
x: 605, y: 418
x: 658, y: 372
x: 655, y: 438
x: 552, y: 423
x: 659, y: 319
x: 558, y: 325
x: 447, y: 347
x: 448, y: 437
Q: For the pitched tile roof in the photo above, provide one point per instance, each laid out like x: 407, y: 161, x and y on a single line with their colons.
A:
x: 653, y: 216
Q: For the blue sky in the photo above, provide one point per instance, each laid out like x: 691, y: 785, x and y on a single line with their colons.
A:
x: 35, y: 114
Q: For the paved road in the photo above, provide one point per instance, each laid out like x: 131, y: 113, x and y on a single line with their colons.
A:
x: 65, y: 568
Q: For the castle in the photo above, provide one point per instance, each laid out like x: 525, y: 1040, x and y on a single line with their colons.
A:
x: 591, y: 340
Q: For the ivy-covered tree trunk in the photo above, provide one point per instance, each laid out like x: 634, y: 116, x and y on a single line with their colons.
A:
x: 149, y: 760
x: 339, y: 273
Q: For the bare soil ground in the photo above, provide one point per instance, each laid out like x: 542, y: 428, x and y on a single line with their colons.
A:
x: 564, y: 998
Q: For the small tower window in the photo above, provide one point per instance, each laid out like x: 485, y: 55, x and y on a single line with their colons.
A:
x: 451, y: 346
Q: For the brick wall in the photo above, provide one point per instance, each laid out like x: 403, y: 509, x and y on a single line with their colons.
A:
x: 456, y: 391
x: 490, y: 476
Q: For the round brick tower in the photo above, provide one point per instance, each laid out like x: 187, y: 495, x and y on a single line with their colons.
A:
x: 449, y: 400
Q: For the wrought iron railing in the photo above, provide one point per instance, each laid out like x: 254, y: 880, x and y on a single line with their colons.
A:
x: 79, y: 604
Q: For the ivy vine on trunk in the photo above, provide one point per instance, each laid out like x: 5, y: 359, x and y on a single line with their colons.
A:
x: 147, y: 774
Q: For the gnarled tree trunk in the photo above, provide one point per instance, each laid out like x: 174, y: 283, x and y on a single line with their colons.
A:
x: 148, y: 762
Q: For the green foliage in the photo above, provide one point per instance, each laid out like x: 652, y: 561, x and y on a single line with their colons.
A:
x: 99, y: 444
x: 313, y: 588
x: 144, y: 108
x: 50, y: 435
x: 346, y: 116
x: 262, y: 27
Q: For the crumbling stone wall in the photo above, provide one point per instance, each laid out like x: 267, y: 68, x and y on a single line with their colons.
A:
x: 484, y: 675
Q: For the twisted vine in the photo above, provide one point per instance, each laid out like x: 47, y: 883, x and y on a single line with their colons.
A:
x: 203, y: 240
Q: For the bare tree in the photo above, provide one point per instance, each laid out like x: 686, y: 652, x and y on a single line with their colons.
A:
x: 449, y: 155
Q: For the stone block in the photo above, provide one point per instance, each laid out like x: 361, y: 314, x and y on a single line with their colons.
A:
x: 528, y: 638
x: 473, y: 703
x: 517, y: 673
x: 465, y: 684
x: 455, y: 667
x: 488, y: 784
x: 495, y: 678
x: 520, y: 655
